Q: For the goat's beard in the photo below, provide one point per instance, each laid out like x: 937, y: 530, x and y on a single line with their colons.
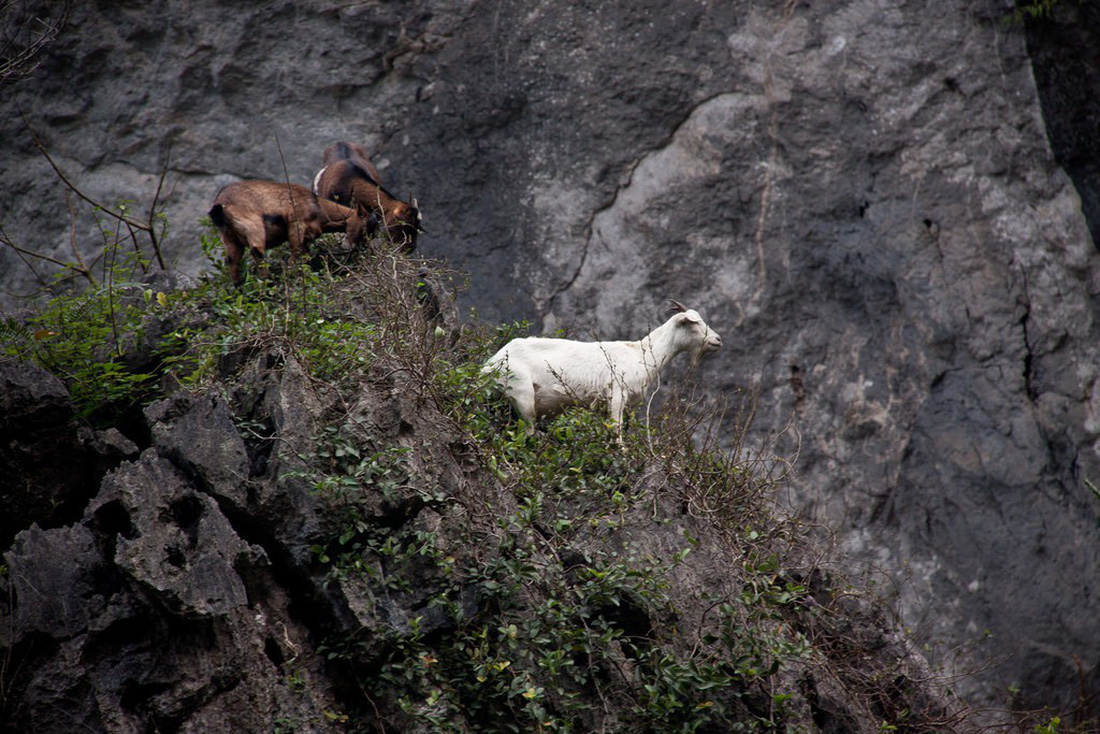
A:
x: 698, y: 354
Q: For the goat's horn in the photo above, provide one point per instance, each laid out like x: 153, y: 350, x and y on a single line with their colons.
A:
x: 677, y: 306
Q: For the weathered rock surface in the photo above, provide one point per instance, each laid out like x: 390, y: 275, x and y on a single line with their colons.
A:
x: 859, y: 195
x: 154, y: 610
x: 187, y: 597
x: 49, y: 468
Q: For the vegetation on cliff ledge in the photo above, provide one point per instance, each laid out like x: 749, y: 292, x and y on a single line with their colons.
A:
x: 483, y: 579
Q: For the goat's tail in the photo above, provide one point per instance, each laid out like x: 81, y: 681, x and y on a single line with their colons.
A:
x: 217, y: 216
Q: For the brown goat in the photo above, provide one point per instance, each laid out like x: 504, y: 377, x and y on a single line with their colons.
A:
x: 255, y: 215
x: 351, y: 152
x: 350, y: 179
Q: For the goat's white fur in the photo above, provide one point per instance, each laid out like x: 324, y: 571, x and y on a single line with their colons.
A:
x: 317, y: 180
x: 542, y: 376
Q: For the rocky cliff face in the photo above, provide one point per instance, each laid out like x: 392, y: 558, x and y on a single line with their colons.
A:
x: 861, y: 196
x: 321, y: 540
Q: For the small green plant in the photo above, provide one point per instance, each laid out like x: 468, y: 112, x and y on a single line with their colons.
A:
x: 352, y: 483
x: 90, y: 338
x: 284, y: 725
x: 1033, y: 10
x: 1050, y: 727
x: 295, y: 679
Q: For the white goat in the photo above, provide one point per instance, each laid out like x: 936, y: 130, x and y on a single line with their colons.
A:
x: 544, y: 376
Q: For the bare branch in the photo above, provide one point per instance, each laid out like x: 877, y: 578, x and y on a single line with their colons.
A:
x: 153, y: 208
x: 22, y: 251
x: 144, y: 227
x: 122, y: 219
x: 25, y: 36
x: 72, y: 237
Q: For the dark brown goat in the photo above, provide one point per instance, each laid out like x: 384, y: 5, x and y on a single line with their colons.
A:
x: 350, y: 179
x: 255, y: 215
x: 351, y: 152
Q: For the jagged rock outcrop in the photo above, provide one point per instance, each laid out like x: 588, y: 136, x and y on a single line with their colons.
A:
x: 155, y: 610
x: 191, y: 594
x: 49, y: 465
x: 860, y: 195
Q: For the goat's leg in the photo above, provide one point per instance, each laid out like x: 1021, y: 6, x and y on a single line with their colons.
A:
x: 252, y: 230
x: 522, y: 395
x: 296, y: 237
x: 355, y: 231
x: 616, y: 408
x: 234, y: 251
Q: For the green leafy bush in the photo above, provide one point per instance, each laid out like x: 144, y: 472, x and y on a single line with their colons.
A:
x: 90, y: 338
x: 547, y: 600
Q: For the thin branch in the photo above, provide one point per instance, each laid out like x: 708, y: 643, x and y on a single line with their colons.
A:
x: 72, y: 235
x: 5, y: 240
x: 153, y: 207
x: 72, y: 187
x: 18, y: 63
x: 133, y: 226
x: 22, y: 255
x: 299, y: 222
x: 130, y: 222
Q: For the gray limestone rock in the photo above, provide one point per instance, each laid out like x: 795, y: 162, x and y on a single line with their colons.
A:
x: 49, y: 466
x: 154, y: 612
x: 859, y: 195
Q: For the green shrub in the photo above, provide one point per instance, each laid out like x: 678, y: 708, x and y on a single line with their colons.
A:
x: 532, y: 641
x: 89, y: 338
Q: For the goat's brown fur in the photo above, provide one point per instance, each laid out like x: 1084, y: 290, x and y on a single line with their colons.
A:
x: 350, y: 179
x: 351, y: 152
x: 255, y: 215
